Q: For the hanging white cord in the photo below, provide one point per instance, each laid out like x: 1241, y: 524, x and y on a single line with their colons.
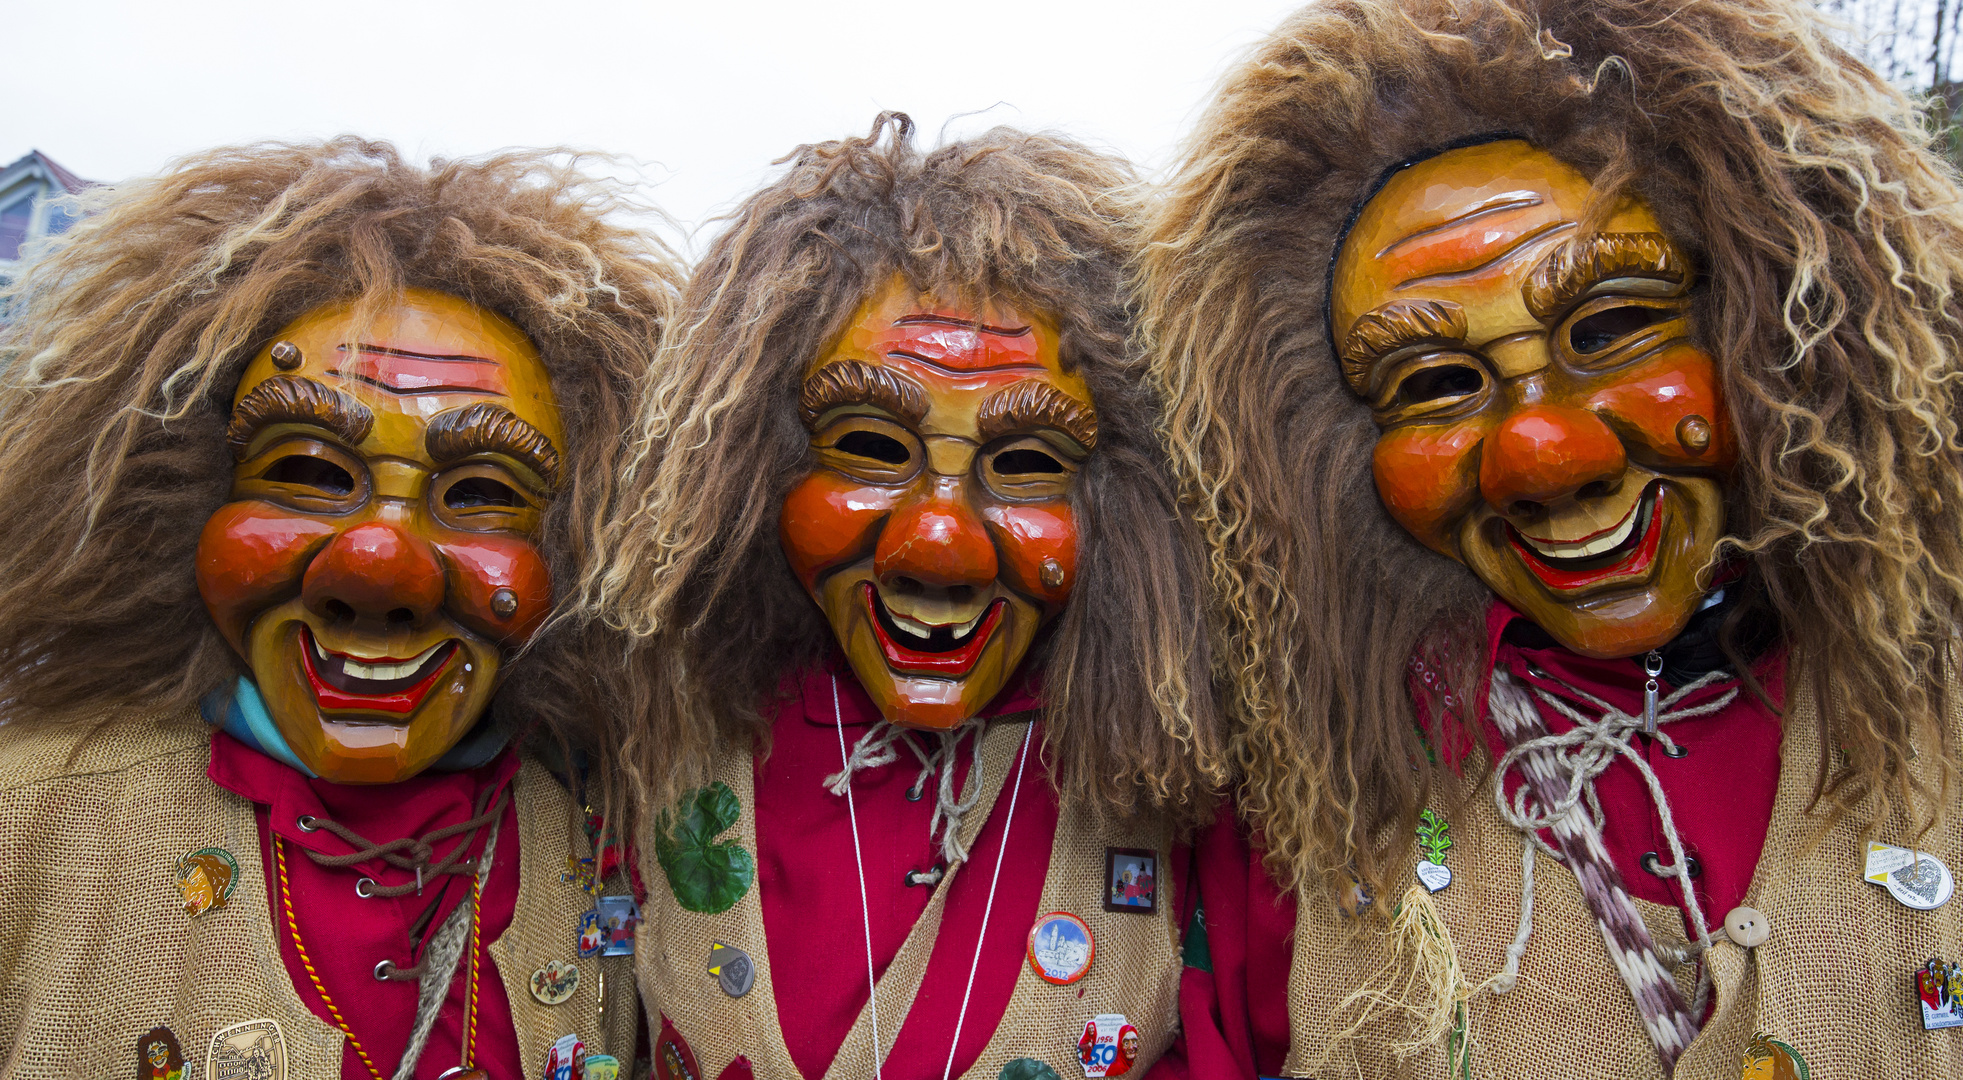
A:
x: 989, y: 907
x: 858, y: 860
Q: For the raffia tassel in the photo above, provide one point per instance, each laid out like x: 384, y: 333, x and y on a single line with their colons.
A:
x: 1421, y: 986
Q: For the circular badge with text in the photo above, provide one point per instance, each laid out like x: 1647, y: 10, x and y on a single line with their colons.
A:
x: 1061, y: 948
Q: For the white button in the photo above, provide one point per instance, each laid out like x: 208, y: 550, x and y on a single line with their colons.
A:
x: 1747, y: 927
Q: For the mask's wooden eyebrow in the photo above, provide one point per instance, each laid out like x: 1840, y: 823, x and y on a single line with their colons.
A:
x: 1037, y: 404
x: 485, y: 428
x: 854, y: 382
x: 1389, y: 327
x: 292, y: 399
x: 1569, y: 271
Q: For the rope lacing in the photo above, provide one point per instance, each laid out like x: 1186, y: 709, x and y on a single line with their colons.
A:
x: 876, y: 749
x: 411, y: 853
x: 1586, y: 751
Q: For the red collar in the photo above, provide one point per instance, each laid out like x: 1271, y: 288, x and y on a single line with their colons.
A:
x: 380, y: 812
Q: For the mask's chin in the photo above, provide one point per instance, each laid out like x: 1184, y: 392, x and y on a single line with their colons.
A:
x: 1634, y: 595
x: 358, y: 710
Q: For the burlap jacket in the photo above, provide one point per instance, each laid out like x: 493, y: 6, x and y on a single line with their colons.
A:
x: 95, y: 947
x: 1835, y: 981
x: 1136, y: 971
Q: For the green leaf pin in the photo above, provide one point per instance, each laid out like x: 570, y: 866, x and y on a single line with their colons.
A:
x: 1026, y: 1069
x: 706, y: 875
x: 1434, y: 836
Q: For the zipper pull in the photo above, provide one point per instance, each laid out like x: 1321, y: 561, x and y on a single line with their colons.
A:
x: 1652, y: 667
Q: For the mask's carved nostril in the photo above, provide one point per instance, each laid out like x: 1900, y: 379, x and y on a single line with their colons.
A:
x: 1598, y: 489
x: 1525, y: 508
x: 339, y: 611
x: 401, y: 616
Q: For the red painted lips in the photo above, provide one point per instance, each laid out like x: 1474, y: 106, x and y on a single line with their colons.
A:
x: 952, y: 661
x: 336, y: 688
x: 1635, y: 558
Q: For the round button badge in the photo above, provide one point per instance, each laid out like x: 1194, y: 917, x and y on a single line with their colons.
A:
x: 1061, y: 948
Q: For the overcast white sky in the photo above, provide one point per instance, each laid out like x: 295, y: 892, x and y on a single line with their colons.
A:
x: 704, y: 95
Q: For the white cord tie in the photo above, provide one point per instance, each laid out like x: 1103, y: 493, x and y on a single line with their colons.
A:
x: 875, y: 749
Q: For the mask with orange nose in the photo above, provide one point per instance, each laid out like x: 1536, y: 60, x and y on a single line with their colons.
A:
x: 935, y: 528
x: 1546, y: 417
x: 376, y: 563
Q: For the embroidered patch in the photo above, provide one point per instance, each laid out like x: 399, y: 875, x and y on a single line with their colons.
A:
x: 555, y: 982
x: 1027, y: 1069
x: 1131, y: 880
x: 619, y: 915
x: 564, y: 1058
x: 590, y: 939
x: 254, y: 1050
x: 1434, y: 839
x: 1108, y: 1047
x: 158, y: 1055
x: 1939, y: 987
x: 1767, y: 1058
x: 673, y: 1060
x: 733, y: 969
x: 207, y: 877
x: 707, y: 875
x: 1061, y: 948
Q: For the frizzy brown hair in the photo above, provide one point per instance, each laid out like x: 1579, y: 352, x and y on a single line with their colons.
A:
x: 695, y: 569
x: 1830, y: 241
x: 128, y: 339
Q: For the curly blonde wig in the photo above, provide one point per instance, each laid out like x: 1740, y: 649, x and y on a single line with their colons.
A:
x: 694, y: 565
x: 1829, y: 239
x: 128, y: 338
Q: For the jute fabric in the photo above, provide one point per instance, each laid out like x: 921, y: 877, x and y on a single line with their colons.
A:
x: 1833, y: 980
x: 1136, y: 970
x: 95, y: 947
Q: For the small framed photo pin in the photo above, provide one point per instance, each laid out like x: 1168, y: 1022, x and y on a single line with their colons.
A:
x: 1131, y: 880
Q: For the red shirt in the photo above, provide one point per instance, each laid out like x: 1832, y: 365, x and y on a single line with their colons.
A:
x: 809, y: 883
x: 347, y: 935
x: 1234, y: 1019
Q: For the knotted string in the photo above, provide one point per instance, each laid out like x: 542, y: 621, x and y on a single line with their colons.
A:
x: 876, y: 749
x: 419, y: 849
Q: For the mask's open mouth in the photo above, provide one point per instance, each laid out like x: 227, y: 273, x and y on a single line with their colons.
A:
x: 374, y: 684
x: 947, y: 651
x: 1623, y: 550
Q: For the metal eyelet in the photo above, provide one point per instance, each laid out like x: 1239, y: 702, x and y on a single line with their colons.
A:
x: 307, y: 823
x: 1654, y: 864
x: 365, y: 888
x: 916, y: 791
x: 1676, y: 750
x: 929, y: 877
x: 383, y: 970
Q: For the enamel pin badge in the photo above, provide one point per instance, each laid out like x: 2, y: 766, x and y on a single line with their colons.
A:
x: 565, y: 1059
x: 1108, y: 1047
x: 619, y: 915
x: 1939, y: 987
x: 732, y: 967
x: 590, y: 939
x: 1434, y: 839
x: 207, y: 877
x: 555, y: 982
x: 1131, y: 880
x: 158, y: 1055
x: 254, y: 1050
x: 1061, y: 948
x: 1916, y: 878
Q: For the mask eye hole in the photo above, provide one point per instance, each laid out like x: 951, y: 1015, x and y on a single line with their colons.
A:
x: 874, y: 445
x: 300, y: 470
x: 1022, y: 462
x: 1439, y: 383
x: 1593, y: 333
x: 475, y: 492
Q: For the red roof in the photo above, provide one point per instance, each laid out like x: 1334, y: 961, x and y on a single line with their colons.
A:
x: 69, y: 181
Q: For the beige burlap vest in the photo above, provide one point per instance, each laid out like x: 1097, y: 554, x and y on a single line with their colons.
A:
x: 95, y: 947
x: 1834, y: 982
x: 1136, y: 970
